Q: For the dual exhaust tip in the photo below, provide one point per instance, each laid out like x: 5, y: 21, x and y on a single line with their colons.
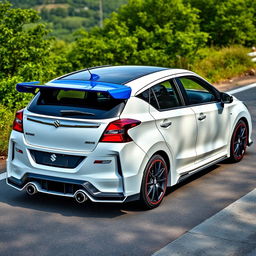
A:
x: 79, y: 196
x: 31, y: 189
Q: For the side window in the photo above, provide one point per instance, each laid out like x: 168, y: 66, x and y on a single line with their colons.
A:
x: 196, y: 92
x: 149, y: 97
x: 164, y: 96
x: 144, y: 95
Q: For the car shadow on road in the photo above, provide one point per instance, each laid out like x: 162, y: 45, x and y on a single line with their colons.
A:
x: 57, y: 204
x: 191, y: 178
x: 69, y: 207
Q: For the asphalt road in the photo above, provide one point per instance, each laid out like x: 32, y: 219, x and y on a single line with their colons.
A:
x: 46, y: 225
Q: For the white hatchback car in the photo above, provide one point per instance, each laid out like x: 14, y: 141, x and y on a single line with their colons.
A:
x: 122, y: 133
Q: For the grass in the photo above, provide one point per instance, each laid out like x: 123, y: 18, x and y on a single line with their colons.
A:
x: 51, y: 6
x: 217, y: 65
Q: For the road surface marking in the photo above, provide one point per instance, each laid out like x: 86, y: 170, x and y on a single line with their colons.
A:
x: 3, y: 176
x: 244, y: 88
x: 228, y: 232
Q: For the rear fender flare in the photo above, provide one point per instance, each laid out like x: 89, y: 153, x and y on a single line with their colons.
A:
x: 160, y: 146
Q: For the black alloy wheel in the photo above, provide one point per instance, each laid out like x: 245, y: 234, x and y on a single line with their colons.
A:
x: 154, y: 182
x: 239, y: 142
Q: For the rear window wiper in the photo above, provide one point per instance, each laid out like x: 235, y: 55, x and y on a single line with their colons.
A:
x: 75, y: 112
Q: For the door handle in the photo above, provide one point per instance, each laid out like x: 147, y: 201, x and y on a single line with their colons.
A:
x: 165, y: 124
x: 201, y: 117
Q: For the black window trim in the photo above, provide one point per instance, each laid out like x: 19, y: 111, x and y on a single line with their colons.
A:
x: 159, y: 80
x: 179, y: 92
x: 154, y: 95
x: 175, y: 88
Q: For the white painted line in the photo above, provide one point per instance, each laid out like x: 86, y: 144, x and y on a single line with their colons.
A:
x: 243, y: 88
x: 3, y: 176
x: 251, y: 54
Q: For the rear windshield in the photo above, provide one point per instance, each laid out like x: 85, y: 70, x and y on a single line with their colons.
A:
x: 76, y: 104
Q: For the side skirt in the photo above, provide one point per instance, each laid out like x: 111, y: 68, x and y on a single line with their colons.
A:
x: 188, y: 174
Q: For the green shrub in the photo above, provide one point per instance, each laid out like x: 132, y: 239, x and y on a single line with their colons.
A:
x: 6, y: 119
x: 9, y: 97
x: 220, y: 64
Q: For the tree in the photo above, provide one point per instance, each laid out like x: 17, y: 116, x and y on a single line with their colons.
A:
x: 227, y: 21
x: 24, y: 52
x: 233, y: 23
x: 151, y: 32
x: 23, y: 47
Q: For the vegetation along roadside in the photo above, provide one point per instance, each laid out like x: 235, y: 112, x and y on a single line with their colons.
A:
x: 211, y: 38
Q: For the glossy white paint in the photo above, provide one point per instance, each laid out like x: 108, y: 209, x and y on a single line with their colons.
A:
x: 213, y: 131
x: 187, y: 142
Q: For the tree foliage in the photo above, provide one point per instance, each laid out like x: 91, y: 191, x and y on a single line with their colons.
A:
x: 228, y: 21
x: 66, y: 16
x: 169, y: 33
x: 23, y: 50
x: 142, y: 32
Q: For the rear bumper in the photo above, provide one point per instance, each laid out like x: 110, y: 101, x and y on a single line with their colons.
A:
x: 64, y: 187
x: 116, y: 180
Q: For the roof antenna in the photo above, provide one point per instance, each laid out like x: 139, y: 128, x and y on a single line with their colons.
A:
x: 93, y: 77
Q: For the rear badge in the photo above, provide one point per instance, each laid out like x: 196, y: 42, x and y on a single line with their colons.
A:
x: 53, y: 157
x: 30, y: 134
x: 56, y: 123
x: 89, y: 142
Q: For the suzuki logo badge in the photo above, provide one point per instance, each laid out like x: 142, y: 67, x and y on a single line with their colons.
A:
x: 53, y: 157
x: 56, y: 123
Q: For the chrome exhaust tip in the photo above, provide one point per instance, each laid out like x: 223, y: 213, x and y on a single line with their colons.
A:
x: 31, y: 189
x: 80, y: 197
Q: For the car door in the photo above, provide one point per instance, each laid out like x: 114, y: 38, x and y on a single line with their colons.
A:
x: 176, y: 123
x: 211, y: 115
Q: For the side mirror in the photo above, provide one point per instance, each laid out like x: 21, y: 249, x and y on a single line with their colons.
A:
x: 226, y: 98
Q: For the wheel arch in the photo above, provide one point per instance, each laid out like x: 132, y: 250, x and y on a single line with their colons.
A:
x: 239, y: 111
x: 164, y: 155
x: 247, y: 125
x: 158, y: 148
x: 162, y: 150
x: 244, y: 116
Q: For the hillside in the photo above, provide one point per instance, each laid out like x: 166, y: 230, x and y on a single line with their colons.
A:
x: 65, y: 16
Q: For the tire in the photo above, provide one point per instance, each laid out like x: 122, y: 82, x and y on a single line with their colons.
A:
x: 239, y: 142
x: 154, y: 182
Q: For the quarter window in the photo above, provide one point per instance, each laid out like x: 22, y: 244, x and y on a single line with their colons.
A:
x: 144, y: 95
x: 149, y: 97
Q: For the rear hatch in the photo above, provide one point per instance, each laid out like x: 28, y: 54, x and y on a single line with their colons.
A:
x: 68, y: 119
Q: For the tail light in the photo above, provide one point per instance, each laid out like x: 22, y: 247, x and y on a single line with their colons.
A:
x: 117, y: 131
x: 18, y: 121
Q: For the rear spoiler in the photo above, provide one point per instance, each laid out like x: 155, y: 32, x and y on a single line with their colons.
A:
x: 117, y: 91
